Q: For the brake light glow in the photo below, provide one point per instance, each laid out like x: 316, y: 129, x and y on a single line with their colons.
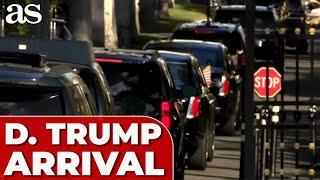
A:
x: 243, y: 58
x: 226, y: 87
x: 166, y: 113
x: 204, y: 31
x: 224, y: 90
x: 107, y: 60
x: 194, y: 107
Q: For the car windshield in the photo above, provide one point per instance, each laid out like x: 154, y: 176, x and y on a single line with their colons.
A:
x: 30, y: 102
x: 136, y: 88
x: 263, y: 18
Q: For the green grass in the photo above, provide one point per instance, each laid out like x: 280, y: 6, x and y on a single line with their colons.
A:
x: 182, y: 12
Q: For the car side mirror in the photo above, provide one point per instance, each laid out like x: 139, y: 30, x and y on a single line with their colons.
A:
x: 189, y: 91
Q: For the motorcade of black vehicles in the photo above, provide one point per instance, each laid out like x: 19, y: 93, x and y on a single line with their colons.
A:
x: 230, y: 35
x: 141, y: 84
x: 266, y: 23
x: 198, y: 106
x: 29, y: 87
x: 73, y: 56
x: 293, y: 18
x: 224, y: 83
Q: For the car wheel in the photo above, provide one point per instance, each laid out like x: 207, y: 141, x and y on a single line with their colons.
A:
x: 211, y: 140
x: 198, y: 160
x: 179, y: 156
x: 179, y: 168
x: 302, y: 47
x: 231, y: 121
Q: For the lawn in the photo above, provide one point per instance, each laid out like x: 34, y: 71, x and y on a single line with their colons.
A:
x: 182, y: 12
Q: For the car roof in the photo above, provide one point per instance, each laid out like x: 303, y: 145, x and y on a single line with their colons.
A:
x: 126, y: 55
x: 171, y: 56
x: 221, y: 27
x: 73, y: 52
x: 243, y: 7
x: 186, y: 43
x: 21, y: 75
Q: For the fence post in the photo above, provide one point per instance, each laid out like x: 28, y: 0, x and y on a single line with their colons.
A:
x: 248, y: 171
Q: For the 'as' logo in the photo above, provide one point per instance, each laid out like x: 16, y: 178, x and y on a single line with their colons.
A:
x: 17, y: 14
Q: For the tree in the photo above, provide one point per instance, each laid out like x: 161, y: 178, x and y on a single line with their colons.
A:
x: 79, y: 18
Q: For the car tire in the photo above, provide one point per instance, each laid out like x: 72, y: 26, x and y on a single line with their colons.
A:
x: 198, y: 160
x: 302, y: 47
x: 179, y: 156
x: 179, y: 168
x: 211, y: 141
x: 231, y: 120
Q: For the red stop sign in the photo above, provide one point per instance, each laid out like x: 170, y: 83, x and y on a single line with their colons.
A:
x: 260, y: 82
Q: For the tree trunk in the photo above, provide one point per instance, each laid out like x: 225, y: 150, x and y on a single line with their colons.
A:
x: 79, y: 15
x: 127, y: 22
x: 110, y: 24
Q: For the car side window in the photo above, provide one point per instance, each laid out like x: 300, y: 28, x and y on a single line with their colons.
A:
x: 82, y: 98
x: 199, y: 72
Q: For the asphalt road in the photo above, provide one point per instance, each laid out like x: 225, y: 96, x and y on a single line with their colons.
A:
x: 226, y: 162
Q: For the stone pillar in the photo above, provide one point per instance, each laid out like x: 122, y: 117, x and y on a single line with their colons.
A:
x: 104, y: 27
x: 110, y: 25
x: 80, y: 19
x: 127, y: 22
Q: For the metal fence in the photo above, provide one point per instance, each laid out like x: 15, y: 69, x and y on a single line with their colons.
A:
x: 280, y: 138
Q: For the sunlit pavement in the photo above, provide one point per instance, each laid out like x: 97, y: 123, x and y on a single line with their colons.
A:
x: 226, y: 162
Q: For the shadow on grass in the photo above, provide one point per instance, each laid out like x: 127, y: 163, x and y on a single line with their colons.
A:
x: 163, y: 26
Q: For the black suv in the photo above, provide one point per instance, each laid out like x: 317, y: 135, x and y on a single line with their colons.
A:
x: 230, y: 35
x: 266, y: 20
x: 293, y: 18
x: 141, y: 84
x: 29, y: 87
x: 198, y: 107
x: 71, y: 56
x: 223, y: 83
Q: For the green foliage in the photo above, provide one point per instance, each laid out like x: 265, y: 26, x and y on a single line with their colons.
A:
x: 17, y: 29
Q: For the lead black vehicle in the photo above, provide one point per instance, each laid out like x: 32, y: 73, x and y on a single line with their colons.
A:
x: 266, y: 20
x: 70, y: 56
x: 231, y: 35
x: 293, y: 19
x: 198, y: 107
x: 29, y: 87
x: 224, y: 84
x: 141, y: 84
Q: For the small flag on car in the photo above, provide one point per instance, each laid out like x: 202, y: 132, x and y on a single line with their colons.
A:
x: 207, y: 75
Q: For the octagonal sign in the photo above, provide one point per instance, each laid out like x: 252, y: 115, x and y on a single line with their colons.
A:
x: 260, y: 82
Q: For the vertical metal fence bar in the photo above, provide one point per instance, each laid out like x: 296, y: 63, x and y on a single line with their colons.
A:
x: 282, y: 117
x: 297, y: 113
x: 249, y: 149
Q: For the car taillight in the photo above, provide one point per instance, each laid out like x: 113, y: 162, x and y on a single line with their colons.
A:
x: 243, y: 58
x: 194, y: 107
x: 108, y: 60
x: 166, y: 113
x: 224, y: 90
x: 204, y: 31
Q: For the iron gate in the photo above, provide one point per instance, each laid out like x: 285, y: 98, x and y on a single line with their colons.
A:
x: 281, y: 135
